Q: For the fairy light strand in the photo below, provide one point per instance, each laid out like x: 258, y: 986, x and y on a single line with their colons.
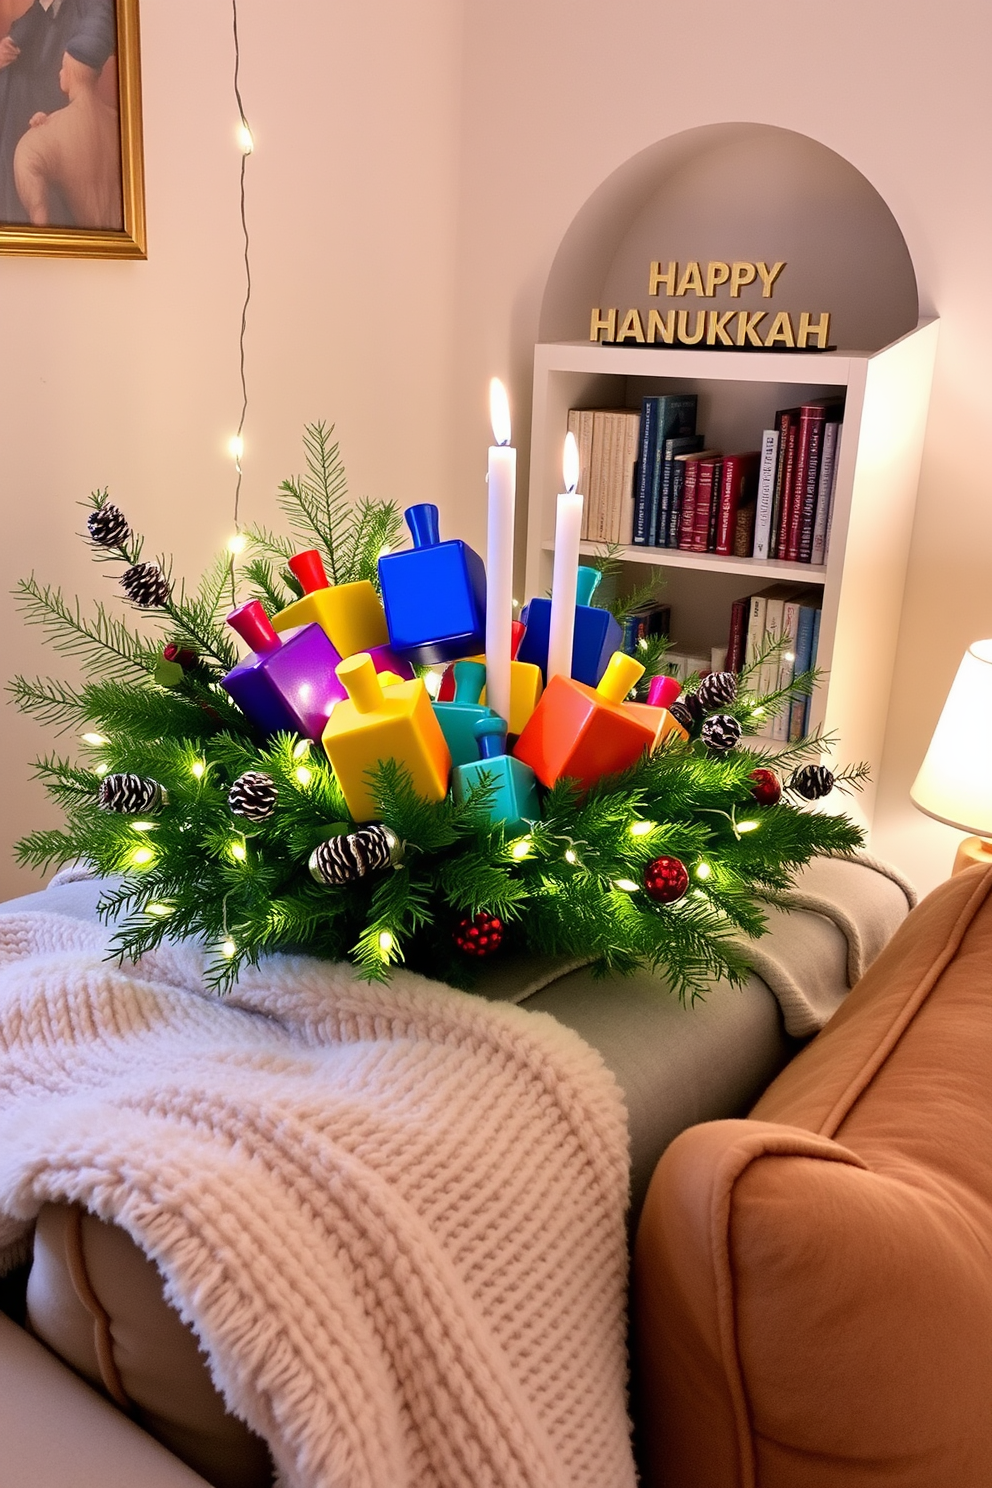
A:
x: 246, y: 150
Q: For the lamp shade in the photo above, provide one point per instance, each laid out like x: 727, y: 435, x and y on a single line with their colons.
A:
x: 955, y: 780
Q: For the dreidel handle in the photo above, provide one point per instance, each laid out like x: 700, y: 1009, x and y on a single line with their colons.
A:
x: 308, y: 567
x: 358, y: 676
x: 621, y: 673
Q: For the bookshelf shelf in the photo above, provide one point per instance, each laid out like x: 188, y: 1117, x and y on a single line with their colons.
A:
x: 767, y: 570
x: 887, y: 394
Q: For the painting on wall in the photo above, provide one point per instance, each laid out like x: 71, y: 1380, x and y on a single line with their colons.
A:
x: 70, y: 129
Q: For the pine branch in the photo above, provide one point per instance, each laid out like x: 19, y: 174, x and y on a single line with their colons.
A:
x: 55, y: 704
x: 101, y: 643
x: 315, y: 504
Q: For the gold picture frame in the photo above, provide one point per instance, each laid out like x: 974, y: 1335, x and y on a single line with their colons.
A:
x: 83, y: 241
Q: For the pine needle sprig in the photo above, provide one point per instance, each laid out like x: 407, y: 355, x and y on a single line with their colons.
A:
x: 317, y: 503
x: 100, y: 643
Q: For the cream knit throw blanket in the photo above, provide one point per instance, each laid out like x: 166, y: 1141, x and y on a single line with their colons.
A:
x: 393, y: 1215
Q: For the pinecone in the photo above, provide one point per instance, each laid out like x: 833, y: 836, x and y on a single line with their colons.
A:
x: 107, y: 526
x: 129, y: 794
x: 716, y: 690
x: 722, y: 732
x: 812, y: 782
x: 342, y: 860
x: 253, y: 796
x: 683, y: 715
x: 146, y: 586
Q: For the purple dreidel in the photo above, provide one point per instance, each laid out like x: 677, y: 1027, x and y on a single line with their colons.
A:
x: 289, y: 683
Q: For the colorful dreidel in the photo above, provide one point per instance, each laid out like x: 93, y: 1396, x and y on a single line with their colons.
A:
x: 375, y: 724
x: 584, y: 732
x: 459, y: 717
x: 526, y: 683
x: 596, y: 636
x: 350, y: 615
x: 289, y: 683
x: 514, y: 802
x: 434, y: 596
x: 662, y: 691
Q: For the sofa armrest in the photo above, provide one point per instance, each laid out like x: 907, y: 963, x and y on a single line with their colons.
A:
x: 56, y: 1430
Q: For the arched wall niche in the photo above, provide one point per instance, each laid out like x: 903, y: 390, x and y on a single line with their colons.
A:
x: 746, y: 192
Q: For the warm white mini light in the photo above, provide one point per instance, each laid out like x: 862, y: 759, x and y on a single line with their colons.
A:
x: 245, y: 142
x: 386, y: 942
x: 748, y: 826
x: 301, y: 749
x: 239, y: 851
x: 158, y: 911
x: 198, y: 769
x: 236, y: 448
x: 627, y: 884
x: 522, y: 849
x: 95, y: 740
x: 703, y: 870
x: 571, y: 856
x: 237, y: 543
x: 143, y: 826
x: 642, y: 828
x: 142, y: 856
x: 303, y: 775
x: 228, y: 949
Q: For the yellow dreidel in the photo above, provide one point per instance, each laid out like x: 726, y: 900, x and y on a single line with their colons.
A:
x: 374, y: 724
x: 654, y: 712
x: 351, y: 615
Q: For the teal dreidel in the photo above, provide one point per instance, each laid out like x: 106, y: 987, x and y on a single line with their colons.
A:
x: 458, y: 719
x: 515, y: 802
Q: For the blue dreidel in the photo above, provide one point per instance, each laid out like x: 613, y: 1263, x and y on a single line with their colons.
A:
x: 434, y: 596
x: 458, y: 718
x: 515, y: 801
x: 597, y: 635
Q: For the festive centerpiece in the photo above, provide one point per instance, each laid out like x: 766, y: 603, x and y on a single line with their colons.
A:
x: 323, y: 793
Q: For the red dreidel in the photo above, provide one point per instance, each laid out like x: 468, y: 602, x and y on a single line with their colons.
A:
x: 584, y: 732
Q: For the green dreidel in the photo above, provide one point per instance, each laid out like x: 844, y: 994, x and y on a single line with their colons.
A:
x: 458, y: 718
x: 515, y: 802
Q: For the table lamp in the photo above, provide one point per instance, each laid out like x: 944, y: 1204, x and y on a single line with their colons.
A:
x: 954, y: 784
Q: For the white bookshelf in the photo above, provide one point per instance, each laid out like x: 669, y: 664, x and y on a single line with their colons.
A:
x: 887, y: 395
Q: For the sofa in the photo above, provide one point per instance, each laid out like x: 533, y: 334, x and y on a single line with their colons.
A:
x: 812, y: 1292
x: 117, y: 1356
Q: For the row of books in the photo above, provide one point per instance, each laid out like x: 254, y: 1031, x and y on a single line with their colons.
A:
x: 777, y: 613
x: 649, y: 481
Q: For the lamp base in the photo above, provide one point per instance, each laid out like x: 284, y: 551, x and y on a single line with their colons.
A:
x: 972, y: 850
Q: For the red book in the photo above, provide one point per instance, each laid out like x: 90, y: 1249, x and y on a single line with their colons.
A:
x: 738, y: 634
x: 707, y: 495
x: 738, y: 483
x: 812, y: 417
x: 787, y: 448
x: 688, y: 520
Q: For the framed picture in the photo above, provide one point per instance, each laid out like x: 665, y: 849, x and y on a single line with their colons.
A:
x: 71, y: 183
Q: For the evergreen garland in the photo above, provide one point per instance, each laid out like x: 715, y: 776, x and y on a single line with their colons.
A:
x: 572, y: 884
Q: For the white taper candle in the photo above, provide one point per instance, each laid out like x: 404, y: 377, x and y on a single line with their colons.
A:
x: 568, y: 531
x: 499, y: 553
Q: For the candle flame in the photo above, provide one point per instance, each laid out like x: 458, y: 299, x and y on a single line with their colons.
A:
x: 570, y: 463
x: 499, y: 411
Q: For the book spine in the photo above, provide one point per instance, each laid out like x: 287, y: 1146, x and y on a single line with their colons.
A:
x: 678, y: 496
x: 743, y: 546
x: 755, y: 629
x: 736, y: 635
x: 646, y: 462
x: 594, y: 492
x: 804, y: 650
x: 768, y: 676
x: 824, y: 492
x: 666, y: 467
x: 787, y: 666
x: 631, y: 436
x: 615, y: 487
x: 699, y: 536
x: 790, y: 438
x: 714, y: 504
x: 729, y: 504
x: 766, y: 492
x: 807, y: 474
x: 687, y: 522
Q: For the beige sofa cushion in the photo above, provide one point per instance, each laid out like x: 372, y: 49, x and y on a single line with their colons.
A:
x: 97, y: 1301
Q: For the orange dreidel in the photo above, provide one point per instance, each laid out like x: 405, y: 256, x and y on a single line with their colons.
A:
x: 585, y: 732
x: 374, y: 724
x: 350, y: 615
x: 526, y: 683
x: 654, y: 712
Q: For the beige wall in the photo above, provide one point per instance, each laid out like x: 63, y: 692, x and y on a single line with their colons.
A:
x: 126, y: 374
x: 416, y: 169
x: 901, y: 91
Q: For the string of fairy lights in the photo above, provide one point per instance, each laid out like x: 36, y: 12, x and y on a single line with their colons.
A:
x: 236, y: 444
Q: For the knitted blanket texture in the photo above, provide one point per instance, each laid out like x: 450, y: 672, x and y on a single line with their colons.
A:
x: 394, y: 1216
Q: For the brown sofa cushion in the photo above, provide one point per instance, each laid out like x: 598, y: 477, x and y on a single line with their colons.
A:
x: 813, y: 1287
x: 96, y: 1300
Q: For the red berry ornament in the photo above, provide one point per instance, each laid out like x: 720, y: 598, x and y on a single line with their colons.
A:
x: 767, y: 788
x: 665, y: 880
x: 479, y: 935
